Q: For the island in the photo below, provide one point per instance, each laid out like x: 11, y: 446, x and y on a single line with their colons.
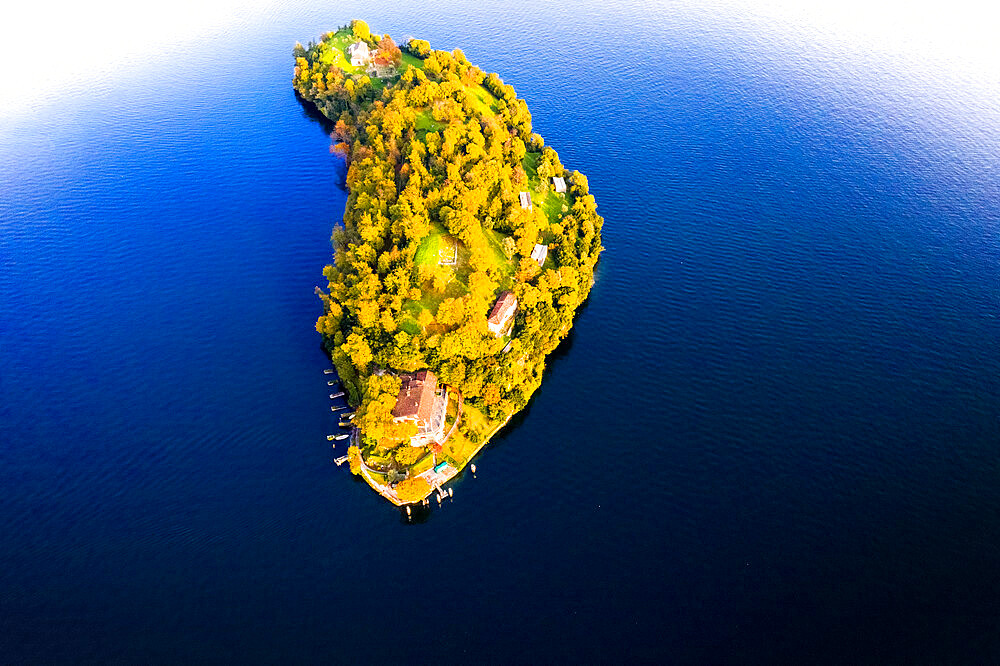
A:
x: 465, y: 250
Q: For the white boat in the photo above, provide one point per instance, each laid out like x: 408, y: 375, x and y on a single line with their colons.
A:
x: 330, y: 438
x: 328, y: 371
x: 340, y: 437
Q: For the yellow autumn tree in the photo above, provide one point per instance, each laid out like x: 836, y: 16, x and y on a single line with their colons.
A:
x: 412, y: 490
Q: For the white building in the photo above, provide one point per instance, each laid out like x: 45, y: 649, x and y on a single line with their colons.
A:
x: 559, y: 183
x: 358, y: 51
x: 525, y: 200
x: 539, y: 253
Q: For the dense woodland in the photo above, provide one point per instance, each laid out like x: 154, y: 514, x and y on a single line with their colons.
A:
x: 437, y: 155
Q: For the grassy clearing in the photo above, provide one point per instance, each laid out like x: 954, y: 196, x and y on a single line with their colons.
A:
x: 427, y: 253
x: 483, y: 100
x: 505, y: 266
x: 378, y: 478
x: 426, y: 122
x: 410, y: 60
x: 422, y: 465
x: 458, y: 448
x: 552, y: 205
x: 335, y: 52
x: 530, y: 164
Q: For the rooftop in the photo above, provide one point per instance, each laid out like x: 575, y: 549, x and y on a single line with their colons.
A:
x: 503, y: 309
x: 416, y: 396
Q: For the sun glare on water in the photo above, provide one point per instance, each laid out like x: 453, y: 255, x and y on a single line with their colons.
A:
x: 44, y: 46
x: 47, y: 45
x: 959, y: 36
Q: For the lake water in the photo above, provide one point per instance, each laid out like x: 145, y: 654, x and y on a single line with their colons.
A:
x: 772, y: 435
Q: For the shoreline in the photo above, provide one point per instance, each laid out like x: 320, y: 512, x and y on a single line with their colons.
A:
x: 384, y: 490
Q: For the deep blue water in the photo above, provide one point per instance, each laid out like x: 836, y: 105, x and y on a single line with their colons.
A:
x: 773, y: 434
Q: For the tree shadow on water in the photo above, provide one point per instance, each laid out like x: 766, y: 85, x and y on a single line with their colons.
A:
x: 311, y: 112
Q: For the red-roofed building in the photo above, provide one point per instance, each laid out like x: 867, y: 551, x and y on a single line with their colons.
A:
x: 382, y: 66
x: 502, y: 315
x: 424, y: 402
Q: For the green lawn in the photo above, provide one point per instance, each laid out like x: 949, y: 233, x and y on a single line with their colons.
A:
x: 422, y: 465
x: 459, y: 449
x: 530, y: 164
x: 499, y: 258
x: 483, y: 99
x: 550, y: 203
x: 335, y: 52
x: 426, y: 122
x: 410, y: 60
x: 427, y: 253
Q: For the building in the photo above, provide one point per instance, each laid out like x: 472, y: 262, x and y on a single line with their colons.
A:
x: 559, y: 184
x: 539, y: 253
x: 381, y: 67
x: 358, y: 51
x: 502, y: 315
x: 423, y: 402
x: 525, y: 200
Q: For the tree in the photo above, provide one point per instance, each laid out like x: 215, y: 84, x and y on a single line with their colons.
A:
x: 388, y: 50
x: 407, y: 455
x: 491, y: 394
x: 358, y: 350
x: 425, y: 319
x: 450, y: 312
x: 508, y: 246
x: 412, y: 490
x: 360, y: 29
x: 419, y: 47
x: 354, y: 459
